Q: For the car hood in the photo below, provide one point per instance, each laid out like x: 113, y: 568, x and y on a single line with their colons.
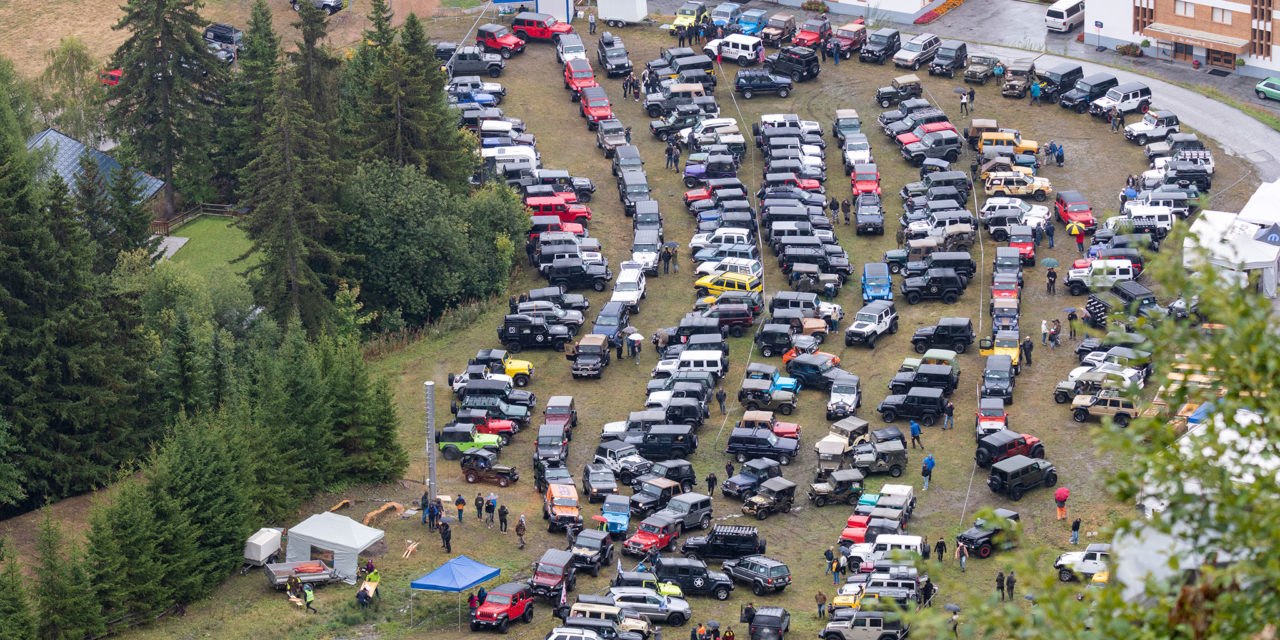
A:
x: 742, y: 480
x: 587, y: 360
x: 1068, y: 558
x: 862, y: 327
x: 643, y: 539
x: 916, y: 146
x: 842, y: 398
x: 546, y: 579
x: 625, y: 296
x: 974, y: 534
x: 548, y: 451
x: 491, y: 610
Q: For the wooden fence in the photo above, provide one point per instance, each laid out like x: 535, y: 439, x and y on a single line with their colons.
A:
x: 166, y: 227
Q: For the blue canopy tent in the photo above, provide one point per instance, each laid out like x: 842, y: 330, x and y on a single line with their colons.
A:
x: 456, y: 575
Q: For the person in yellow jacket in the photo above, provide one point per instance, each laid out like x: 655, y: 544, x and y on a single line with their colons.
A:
x: 309, y: 596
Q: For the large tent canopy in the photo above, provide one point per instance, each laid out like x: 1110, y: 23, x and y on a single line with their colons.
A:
x: 458, y: 574
x: 332, y: 538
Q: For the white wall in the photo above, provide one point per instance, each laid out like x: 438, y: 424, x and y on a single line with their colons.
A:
x: 1117, y: 21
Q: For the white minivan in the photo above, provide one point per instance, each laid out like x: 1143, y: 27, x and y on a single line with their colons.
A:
x: 1064, y: 15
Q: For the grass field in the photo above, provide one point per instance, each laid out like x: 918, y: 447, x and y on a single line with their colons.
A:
x: 213, y: 243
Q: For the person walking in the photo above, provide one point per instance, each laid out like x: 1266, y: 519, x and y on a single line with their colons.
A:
x: 591, y: 22
x: 1027, y: 345
x: 830, y: 555
x: 1080, y: 242
x: 915, y: 435
x: 1072, y: 319
x: 619, y: 348
x: 962, y: 554
x: 479, y: 503
x: 668, y: 166
x: 728, y: 470
x: 973, y: 100
x: 1051, y: 280
x: 940, y: 548
x: 949, y: 411
x: 845, y: 207
x: 446, y: 536
x: 711, y: 484
x: 521, y: 528
x: 835, y: 573
x: 310, y: 597
x: 1117, y: 120
x: 1044, y: 332
x: 1075, y: 531
x: 1036, y: 235
x: 964, y: 103
x: 1059, y: 155
x: 675, y: 157
x: 1060, y: 499
x: 461, y: 504
x: 680, y: 35
x: 1000, y: 584
x: 1009, y: 582
x: 1035, y: 93
x: 720, y: 396
x: 502, y: 518
x: 1054, y: 334
x: 1048, y: 233
x: 926, y: 472
x: 531, y: 251
x: 490, y: 506
x: 820, y: 599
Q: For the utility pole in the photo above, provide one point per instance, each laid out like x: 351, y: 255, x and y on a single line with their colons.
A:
x: 429, y: 393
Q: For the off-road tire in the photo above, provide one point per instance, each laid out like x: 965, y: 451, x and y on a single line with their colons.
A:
x: 1015, y: 494
x: 895, y: 471
x: 786, y: 409
x: 1080, y: 415
x: 889, y: 416
x: 984, y: 550
x: 766, y: 352
x: 721, y: 594
x: 782, y: 93
x: 1051, y: 479
x: 747, y: 94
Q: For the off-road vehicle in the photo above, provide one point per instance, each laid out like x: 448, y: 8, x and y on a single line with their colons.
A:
x: 468, y: 61
x: 1083, y: 564
x: 482, y: 464
x: 814, y: 371
x: 888, y: 456
x: 1014, y: 183
x: 872, y: 322
x: 981, y: 68
x: 661, y: 103
x: 813, y: 33
x: 988, y: 536
x: 455, y: 439
x: 503, y: 605
x: 653, y: 494
x: 677, y: 470
x: 946, y: 145
x: 1086, y: 90
x: 484, y: 423
x: 1018, y: 77
x: 683, y: 117
x: 1058, y: 79
x: 1154, y: 125
x: 936, y: 284
x: 657, y: 531
x: 758, y: 394
x: 780, y: 28
x: 750, y: 82
x: 743, y: 484
x: 900, y: 88
x: 693, y: 577
x: 955, y: 333
x: 553, y: 573
x: 765, y: 575
x: 519, y: 331
x: 776, y: 495
x: 1016, y: 475
x: 747, y: 443
x: 1107, y: 402
x: 999, y: 376
x: 841, y: 485
x: 623, y: 458
x: 724, y: 542
x: 1006, y: 444
x: 1174, y: 143
x: 881, y: 45
x: 598, y: 481
x: 918, y: 51
x: 845, y: 397
x: 868, y: 213
x: 924, y: 404
x: 689, y: 510
x: 592, y: 549
x: 573, y: 273
x: 498, y: 38
x: 928, y: 375
x: 612, y: 55
x: 795, y: 62
x: 952, y: 55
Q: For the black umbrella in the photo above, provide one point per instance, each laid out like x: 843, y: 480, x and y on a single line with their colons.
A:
x: 671, y: 244
x: 953, y: 608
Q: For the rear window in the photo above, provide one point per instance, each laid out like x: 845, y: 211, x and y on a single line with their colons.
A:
x: 1057, y: 15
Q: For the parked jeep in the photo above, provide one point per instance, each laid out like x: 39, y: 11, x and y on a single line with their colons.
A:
x: 881, y: 45
x: 496, y: 37
x: 653, y: 495
x: 474, y: 61
x: 657, y: 531
x: 725, y: 542
x: 1107, y: 402
x: 988, y: 536
x: 677, y: 470
x: 841, y: 485
x: 874, y: 320
x: 1006, y: 444
x: 757, y: 394
x: 954, y: 333
x: 1154, y: 125
x: 573, y: 273
x: 934, y: 376
x: 455, y: 439
x: 693, y: 577
x: 750, y: 82
x: 1016, y: 475
x: 592, y: 549
x: 900, y: 88
x: 776, y: 495
x: 1018, y: 77
x: 743, y: 484
x: 504, y: 605
x: 795, y: 62
x: 780, y: 28
x: 936, y: 284
x: 981, y: 68
x: 590, y: 356
x: 765, y: 575
x: 1083, y: 564
x: 482, y: 464
x: 887, y: 456
x: 553, y: 573
x: 519, y: 331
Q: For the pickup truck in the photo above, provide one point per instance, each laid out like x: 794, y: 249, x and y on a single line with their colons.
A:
x: 307, y: 572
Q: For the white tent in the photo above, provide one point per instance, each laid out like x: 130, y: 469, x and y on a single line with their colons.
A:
x: 1231, y: 245
x: 338, y: 540
x: 1263, y: 207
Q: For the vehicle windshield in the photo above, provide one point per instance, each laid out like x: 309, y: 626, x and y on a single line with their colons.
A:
x: 637, y: 188
x: 826, y: 366
x: 608, y: 321
x: 650, y: 528
x: 946, y: 54
x: 558, y: 410
x: 628, y: 451
x: 501, y: 599
x: 772, y: 440
x: 722, y: 14
x: 644, y: 248
x: 549, y: 569
x: 1006, y: 343
x: 870, y: 176
x: 777, y: 22
x: 648, y: 217
x: 811, y: 25
x: 846, y: 33
x: 846, y: 389
x: 1083, y: 87
x: 600, y: 476
x: 878, y: 39
x: 860, y: 145
x: 617, y: 508
x: 564, y: 502
x: 686, y: 11
x: 878, y: 280
x: 1021, y: 238
x: 912, y: 46
x: 597, y: 102
x: 574, y: 48
x: 551, y: 21
x: 998, y: 374
x: 1113, y: 95
x: 627, y: 285
x: 615, y: 53
x: 587, y: 542
x: 586, y: 73
x: 1078, y: 207
x: 550, y: 441
x: 865, y: 317
x: 1018, y: 73
x: 932, y: 138
x: 499, y: 32
x: 650, y: 490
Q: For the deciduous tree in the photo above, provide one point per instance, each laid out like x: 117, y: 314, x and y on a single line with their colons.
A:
x: 71, y: 99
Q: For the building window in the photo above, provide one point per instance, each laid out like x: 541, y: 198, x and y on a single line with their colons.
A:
x: 1184, y: 8
x: 1143, y: 15
x: 1221, y: 16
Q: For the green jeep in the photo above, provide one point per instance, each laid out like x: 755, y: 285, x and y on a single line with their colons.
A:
x: 933, y: 356
x: 457, y: 438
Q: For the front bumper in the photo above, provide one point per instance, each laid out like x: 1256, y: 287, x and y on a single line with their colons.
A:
x: 481, y: 622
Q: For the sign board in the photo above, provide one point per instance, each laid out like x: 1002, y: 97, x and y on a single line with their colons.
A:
x: 1097, y: 24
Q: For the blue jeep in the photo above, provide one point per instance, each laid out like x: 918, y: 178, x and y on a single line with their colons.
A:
x: 752, y: 21
x: 762, y: 371
x: 877, y: 284
x: 617, y: 513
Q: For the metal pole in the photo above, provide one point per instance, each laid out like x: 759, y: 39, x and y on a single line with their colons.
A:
x: 429, y: 394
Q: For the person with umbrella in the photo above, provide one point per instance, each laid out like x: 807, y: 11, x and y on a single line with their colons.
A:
x: 634, y: 341
x: 1076, y: 229
x: 1060, y: 497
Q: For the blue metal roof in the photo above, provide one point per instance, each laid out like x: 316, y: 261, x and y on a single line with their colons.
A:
x: 64, y: 158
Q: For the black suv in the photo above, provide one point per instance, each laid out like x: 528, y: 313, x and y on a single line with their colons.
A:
x: 936, y: 376
x: 677, y: 470
x: 519, y: 331
x: 500, y: 389
x: 633, y: 187
x: 955, y: 334
x: 1087, y: 90
x: 724, y: 542
x: 747, y: 443
x: 598, y: 480
x: 573, y: 273
x: 880, y: 46
x: 986, y: 537
x: 869, y: 214
x: 920, y: 403
x: 613, y: 55
x: 797, y: 63
x: 1015, y: 476
x: 626, y: 158
x: 936, y: 284
x: 952, y: 55
x: 592, y: 549
x: 743, y: 484
x: 765, y: 575
x: 749, y: 82
x: 1059, y: 79
x: 998, y: 377
x: 945, y: 145
x: 693, y: 577
x: 814, y: 371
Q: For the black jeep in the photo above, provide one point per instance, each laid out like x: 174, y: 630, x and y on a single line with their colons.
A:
x: 936, y: 376
x: 881, y: 45
x: 693, y: 577
x: 936, y: 284
x: 743, y: 484
x: 592, y: 549
x: 724, y: 542
x: 573, y: 273
x: 920, y: 403
x: 678, y: 470
x: 765, y: 575
x: 749, y: 82
x: 519, y: 331
x: 1015, y: 476
x: 797, y: 63
x: 988, y: 536
x: 950, y: 333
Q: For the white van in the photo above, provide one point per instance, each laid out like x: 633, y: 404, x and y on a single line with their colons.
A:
x: 713, y: 362
x: 886, y: 544
x: 1064, y: 15
x: 740, y: 48
x: 502, y: 155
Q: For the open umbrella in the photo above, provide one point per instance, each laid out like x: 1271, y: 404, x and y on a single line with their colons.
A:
x: 1075, y: 229
x: 953, y: 608
x: 626, y: 331
x: 1061, y: 494
x: 960, y: 90
x: 671, y: 244
x: 600, y: 518
x: 1069, y: 310
x: 1049, y: 262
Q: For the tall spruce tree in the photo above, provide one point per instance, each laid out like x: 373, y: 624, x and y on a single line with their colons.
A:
x: 290, y: 188
x: 449, y: 154
x: 16, y: 619
x: 11, y: 474
x: 315, y: 65
x: 396, y: 120
x: 220, y: 373
x: 252, y: 88
x: 182, y: 571
x: 184, y: 370
x: 130, y: 217
x: 130, y: 522
x: 108, y: 566
x: 93, y: 205
x: 381, y: 34
x: 387, y: 460
x: 162, y: 109
x: 65, y: 606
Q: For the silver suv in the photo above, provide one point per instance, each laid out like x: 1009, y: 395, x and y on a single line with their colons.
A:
x: 651, y: 605
x: 918, y: 51
x: 852, y: 624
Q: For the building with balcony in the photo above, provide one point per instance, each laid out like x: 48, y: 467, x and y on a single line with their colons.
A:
x: 1219, y: 34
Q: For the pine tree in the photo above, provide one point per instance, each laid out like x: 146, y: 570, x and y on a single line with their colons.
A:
x: 184, y: 370
x: 381, y: 35
x: 94, y: 207
x: 252, y: 88
x: 348, y: 385
x: 289, y: 188
x: 108, y: 566
x: 449, y: 153
x: 220, y: 375
x: 129, y: 216
x: 387, y: 459
x: 183, y: 576
x: 16, y: 620
x: 65, y: 606
x: 316, y: 67
x: 131, y: 522
x: 307, y: 429
x: 162, y: 108
x: 11, y: 475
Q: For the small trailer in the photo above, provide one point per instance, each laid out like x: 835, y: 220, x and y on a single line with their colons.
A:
x: 312, y: 572
x: 262, y: 548
x: 619, y: 13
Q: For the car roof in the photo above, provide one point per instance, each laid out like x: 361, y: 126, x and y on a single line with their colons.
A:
x: 1012, y: 463
x: 556, y: 556
x: 1071, y: 195
x: 1001, y: 437
x: 928, y: 392
x: 877, y: 306
x: 511, y: 587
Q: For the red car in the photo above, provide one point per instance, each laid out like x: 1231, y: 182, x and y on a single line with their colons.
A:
x: 1073, y: 207
x: 704, y: 193
x: 865, y: 179
x: 511, y: 601
x: 484, y: 424
x: 578, y: 75
x: 110, y: 78
x: 808, y: 184
x: 855, y: 529
x: 655, y: 532
x: 812, y: 33
x: 556, y: 206
x: 595, y: 106
x: 916, y: 134
x: 539, y: 26
x: 990, y: 417
x: 1006, y: 289
x: 1022, y: 239
x: 495, y: 37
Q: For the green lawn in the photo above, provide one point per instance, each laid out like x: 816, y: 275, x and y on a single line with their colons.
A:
x: 213, y: 243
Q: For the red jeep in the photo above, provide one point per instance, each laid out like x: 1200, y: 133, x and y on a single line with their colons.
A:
x: 705, y: 193
x: 508, y: 602
x: 495, y: 37
x: 1006, y: 289
x: 851, y: 38
x: 989, y: 418
x: 813, y: 33
x: 539, y: 26
x: 111, y: 77
x: 865, y: 179
x: 553, y: 574
x: 595, y: 106
x: 578, y: 75
x: 655, y: 532
x: 1022, y: 239
x: 855, y: 530
x: 807, y: 184
x: 556, y: 206
x: 1006, y: 444
x: 484, y: 424
x: 1073, y: 207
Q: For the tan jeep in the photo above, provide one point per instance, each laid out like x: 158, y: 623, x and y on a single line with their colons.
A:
x: 1018, y: 77
x: 1108, y: 402
x: 1012, y: 183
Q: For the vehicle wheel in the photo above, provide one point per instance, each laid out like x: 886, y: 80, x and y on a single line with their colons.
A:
x: 766, y: 352
x: 762, y: 514
x: 1039, y: 196
x: 704, y: 522
x: 742, y: 457
x: 782, y: 93
x: 1015, y: 494
x: 885, y: 104
x: 959, y: 347
x: 1060, y: 397
x: 1038, y: 452
x: 598, y: 285
x: 895, y: 268
x: 1051, y: 479
x: 784, y: 460
x: 926, y: 421
x: 915, y: 66
x: 1078, y: 289
x: 702, y: 293
x: 747, y: 94
x: 1141, y: 140
x: 889, y: 416
x: 820, y: 337
x: 786, y: 409
x: 493, y: 73
x: 1080, y: 415
x: 332, y: 10
x: 452, y: 453
x: 514, y: 347
x: 752, y: 406
x: 983, y: 458
x: 474, y: 626
x: 722, y: 594
x: 506, y: 441
x: 503, y: 626
x: 913, y: 298
x: 984, y: 551
x: 1000, y: 235
x: 852, y: 500
x: 675, y: 620
x: 998, y: 194
x: 920, y: 347
x: 819, y: 501
x: 758, y: 589
x: 504, y: 482
x: 895, y: 471
x: 1142, y: 108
